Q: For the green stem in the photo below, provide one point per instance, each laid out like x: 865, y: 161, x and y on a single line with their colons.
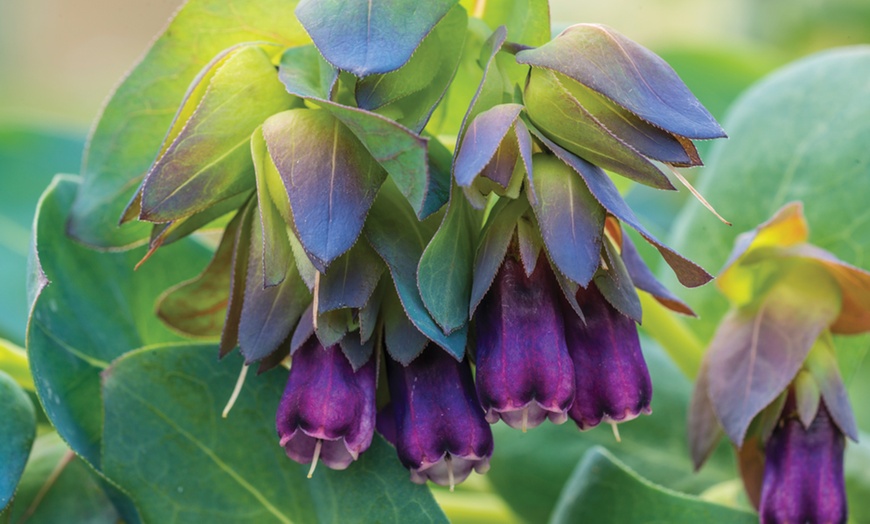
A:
x: 13, y: 361
x: 669, y: 330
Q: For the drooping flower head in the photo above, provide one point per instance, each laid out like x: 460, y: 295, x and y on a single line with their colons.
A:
x: 770, y: 378
x: 435, y: 419
x: 327, y: 411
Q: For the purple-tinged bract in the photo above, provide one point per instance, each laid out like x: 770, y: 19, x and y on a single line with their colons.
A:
x: 803, y: 471
x: 326, y: 402
x: 440, y: 431
x: 524, y: 372
x: 610, y: 374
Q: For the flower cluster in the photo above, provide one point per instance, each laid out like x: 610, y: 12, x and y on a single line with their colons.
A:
x: 359, y: 242
x: 770, y: 377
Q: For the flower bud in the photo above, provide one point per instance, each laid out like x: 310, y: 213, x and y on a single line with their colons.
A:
x: 803, y: 471
x: 440, y: 431
x: 610, y: 375
x: 524, y: 372
x: 327, y: 411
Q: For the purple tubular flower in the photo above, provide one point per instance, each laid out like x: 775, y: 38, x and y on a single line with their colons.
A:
x: 440, y: 432
x: 524, y: 372
x: 803, y: 471
x: 327, y: 411
x: 610, y: 374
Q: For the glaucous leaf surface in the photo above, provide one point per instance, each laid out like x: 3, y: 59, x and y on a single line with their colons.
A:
x: 232, y: 470
x: 530, y: 469
x: 369, y: 38
x: 329, y: 176
x: 90, y: 308
x: 603, y: 489
x: 29, y: 158
x: 16, y: 435
x: 134, y: 123
x: 75, y: 495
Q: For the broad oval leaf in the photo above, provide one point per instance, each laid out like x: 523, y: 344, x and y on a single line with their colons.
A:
x: 647, y: 86
x: 570, y: 218
x: 329, y: 176
x: 305, y: 73
x: 481, y: 141
x: 351, y: 280
x: 134, y: 122
x: 16, y: 435
x: 232, y: 469
x: 601, y: 486
x: 90, y: 308
x: 368, y: 38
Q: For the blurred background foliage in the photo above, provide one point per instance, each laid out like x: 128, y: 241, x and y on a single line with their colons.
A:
x: 60, y: 60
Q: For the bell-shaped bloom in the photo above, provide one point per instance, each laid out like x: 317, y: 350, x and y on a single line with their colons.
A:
x: 803, y: 471
x: 327, y: 411
x: 610, y: 375
x: 524, y: 372
x: 437, y: 426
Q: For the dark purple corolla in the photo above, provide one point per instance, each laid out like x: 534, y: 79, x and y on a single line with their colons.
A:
x: 524, y: 372
x: 437, y: 424
x: 803, y: 471
x: 611, y: 377
x: 327, y: 410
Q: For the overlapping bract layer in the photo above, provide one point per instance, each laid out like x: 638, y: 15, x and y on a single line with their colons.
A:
x: 338, y: 251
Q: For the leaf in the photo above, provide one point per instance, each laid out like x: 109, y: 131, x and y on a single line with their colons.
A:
x: 616, y: 285
x: 402, y: 339
x: 29, y: 158
x: 74, y: 495
x: 351, y: 279
x: 444, y: 274
x: 134, y: 122
x: 238, y: 278
x: 601, y: 486
x: 329, y: 176
x: 268, y: 313
x: 277, y: 253
x: 305, y: 73
x: 759, y: 349
x: 210, y: 159
x: 90, y: 308
x: 482, y: 140
x: 570, y: 218
x: 197, y: 307
x: 397, y: 236
x: 654, y: 446
x: 647, y: 86
x: 232, y: 470
x: 604, y: 190
x: 369, y: 38
x: 805, y: 119
x: 493, y: 244
x: 16, y: 435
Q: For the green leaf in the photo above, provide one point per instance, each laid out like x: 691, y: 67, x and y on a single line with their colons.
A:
x: 210, y: 158
x: 603, y: 489
x: 134, y: 123
x: 444, y: 274
x: 529, y: 469
x: 798, y: 134
x: 232, y: 470
x: 394, y: 232
x: 71, y: 490
x: 90, y: 308
x: 29, y: 158
x: 273, y: 206
x: 16, y: 435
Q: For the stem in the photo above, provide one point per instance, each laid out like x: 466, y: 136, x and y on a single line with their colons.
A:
x: 666, y: 328
x: 13, y: 361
